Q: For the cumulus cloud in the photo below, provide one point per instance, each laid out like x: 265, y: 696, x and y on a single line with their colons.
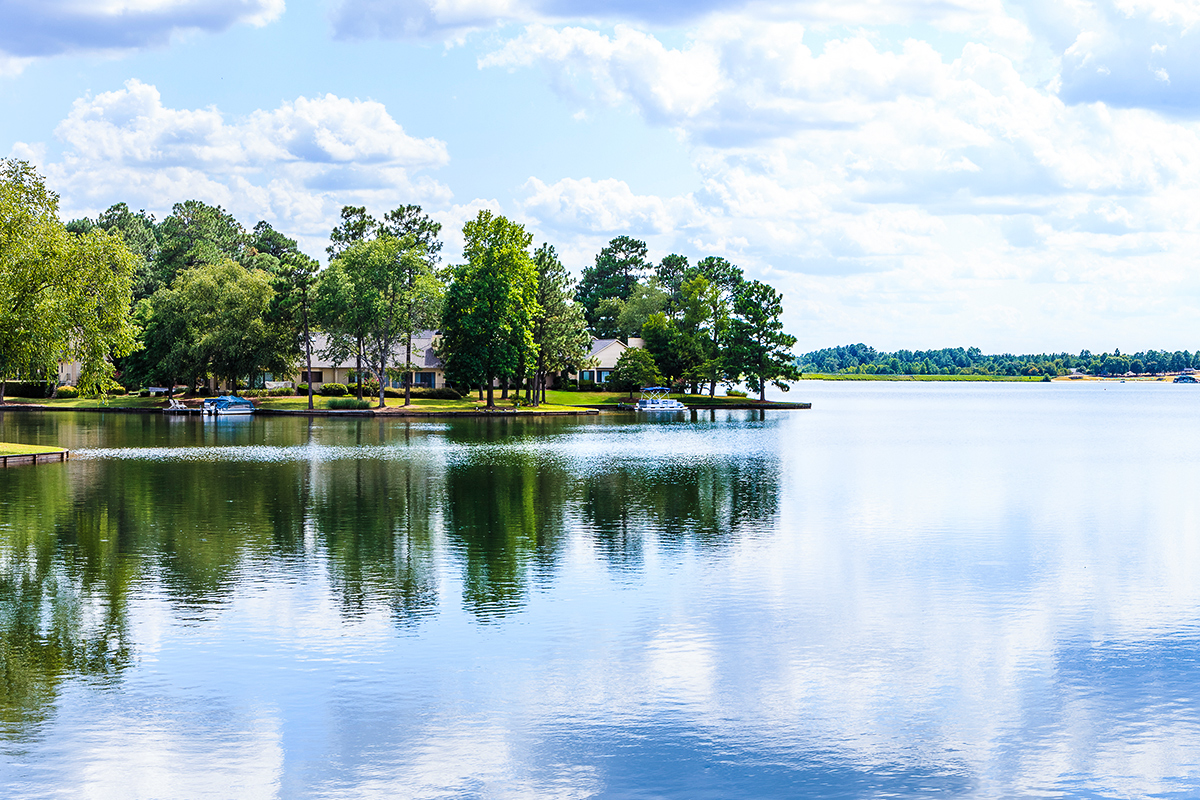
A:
x: 865, y: 170
x: 294, y: 165
x: 41, y: 28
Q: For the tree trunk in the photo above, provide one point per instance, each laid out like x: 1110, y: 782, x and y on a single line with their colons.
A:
x: 382, y: 382
x: 762, y: 392
x: 408, y: 375
x: 481, y: 392
x: 491, y: 398
x: 3, y: 389
x: 504, y: 389
x: 357, y: 370
x: 308, y: 356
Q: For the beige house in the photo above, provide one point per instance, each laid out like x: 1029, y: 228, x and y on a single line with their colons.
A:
x: 429, y: 372
x: 602, y: 359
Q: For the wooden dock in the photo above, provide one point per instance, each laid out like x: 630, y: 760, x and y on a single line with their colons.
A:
x: 56, y: 457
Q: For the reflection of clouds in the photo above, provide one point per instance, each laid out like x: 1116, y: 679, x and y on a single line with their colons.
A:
x: 180, y: 755
x: 680, y: 666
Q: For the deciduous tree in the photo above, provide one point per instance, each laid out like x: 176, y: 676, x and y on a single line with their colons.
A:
x: 491, y: 303
x: 62, y: 296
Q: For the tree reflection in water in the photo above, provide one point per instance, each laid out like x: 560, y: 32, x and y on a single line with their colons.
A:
x: 490, y: 504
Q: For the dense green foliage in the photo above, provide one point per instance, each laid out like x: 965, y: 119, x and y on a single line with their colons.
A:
x: 635, y: 369
x: 617, y: 269
x: 860, y: 359
x: 63, y: 296
x: 490, y: 305
x: 215, y: 300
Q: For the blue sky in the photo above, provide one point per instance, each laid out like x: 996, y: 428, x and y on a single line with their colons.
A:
x: 1015, y: 176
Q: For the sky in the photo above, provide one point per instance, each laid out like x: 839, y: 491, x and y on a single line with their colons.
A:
x: 1016, y: 176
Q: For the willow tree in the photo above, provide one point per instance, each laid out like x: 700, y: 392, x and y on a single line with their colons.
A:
x: 490, y: 305
x: 63, y: 297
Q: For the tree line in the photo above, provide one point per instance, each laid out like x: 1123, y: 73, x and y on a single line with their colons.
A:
x: 197, y: 296
x: 861, y: 359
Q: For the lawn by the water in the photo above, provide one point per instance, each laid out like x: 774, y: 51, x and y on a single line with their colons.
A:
x: 112, y: 401
x: 10, y: 449
x: 422, y: 404
x: 572, y: 398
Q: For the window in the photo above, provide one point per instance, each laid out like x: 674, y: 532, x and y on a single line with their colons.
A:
x: 316, y: 377
x: 425, y: 379
x: 587, y: 375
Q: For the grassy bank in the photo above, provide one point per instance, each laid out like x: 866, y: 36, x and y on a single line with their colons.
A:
x: 556, y: 401
x: 613, y: 398
x: 112, y: 401
x: 9, y: 449
x: 840, y: 376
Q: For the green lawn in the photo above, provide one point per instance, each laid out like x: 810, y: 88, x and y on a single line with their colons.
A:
x: 9, y: 449
x: 612, y: 398
x: 430, y: 405
x: 112, y: 401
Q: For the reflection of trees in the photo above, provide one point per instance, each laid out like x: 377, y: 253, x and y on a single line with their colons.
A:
x: 708, y: 501
x: 505, y: 512
x: 62, y: 597
x: 75, y: 539
x: 375, y: 518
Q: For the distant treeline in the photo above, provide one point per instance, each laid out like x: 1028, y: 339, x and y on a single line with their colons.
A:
x: 860, y: 359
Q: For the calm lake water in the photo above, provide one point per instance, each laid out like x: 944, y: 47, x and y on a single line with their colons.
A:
x: 912, y: 590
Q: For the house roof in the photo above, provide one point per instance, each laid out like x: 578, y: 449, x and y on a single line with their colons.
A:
x: 599, y: 345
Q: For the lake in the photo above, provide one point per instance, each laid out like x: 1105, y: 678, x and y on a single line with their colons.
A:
x: 912, y: 590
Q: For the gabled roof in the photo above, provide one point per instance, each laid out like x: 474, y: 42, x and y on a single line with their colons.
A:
x: 599, y: 345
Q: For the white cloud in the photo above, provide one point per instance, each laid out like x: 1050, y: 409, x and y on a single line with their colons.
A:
x: 44, y: 28
x: 604, y: 206
x: 294, y: 165
x: 859, y: 173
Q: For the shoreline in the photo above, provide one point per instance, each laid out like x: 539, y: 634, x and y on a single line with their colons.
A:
x: 505, y: 413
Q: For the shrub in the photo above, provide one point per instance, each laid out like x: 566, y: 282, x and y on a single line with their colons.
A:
x: 143, y: 393
x: 348, y: 403
x: 371, y: 387
x: 333, y: 389
x: 68, y: 392
x: 283, y: 391
x: 587, y: 386
x: 31, y: 389
x: 301, y: 388
x: 389, y: 392
x: 118, y: 391
x: 254, y: 393
x: 445, y: 393
x: 734, y: 393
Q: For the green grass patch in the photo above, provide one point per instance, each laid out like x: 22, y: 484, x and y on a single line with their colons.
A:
x: 112, y: 401
x: 9, y: 449
x: 613, y: 398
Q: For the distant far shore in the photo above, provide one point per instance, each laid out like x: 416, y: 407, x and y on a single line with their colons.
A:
x: 819, y: 376
x: 854, y: 376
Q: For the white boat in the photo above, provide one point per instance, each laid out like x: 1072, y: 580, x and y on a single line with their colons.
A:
x: 654, y: 398
x: 226, y: 406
